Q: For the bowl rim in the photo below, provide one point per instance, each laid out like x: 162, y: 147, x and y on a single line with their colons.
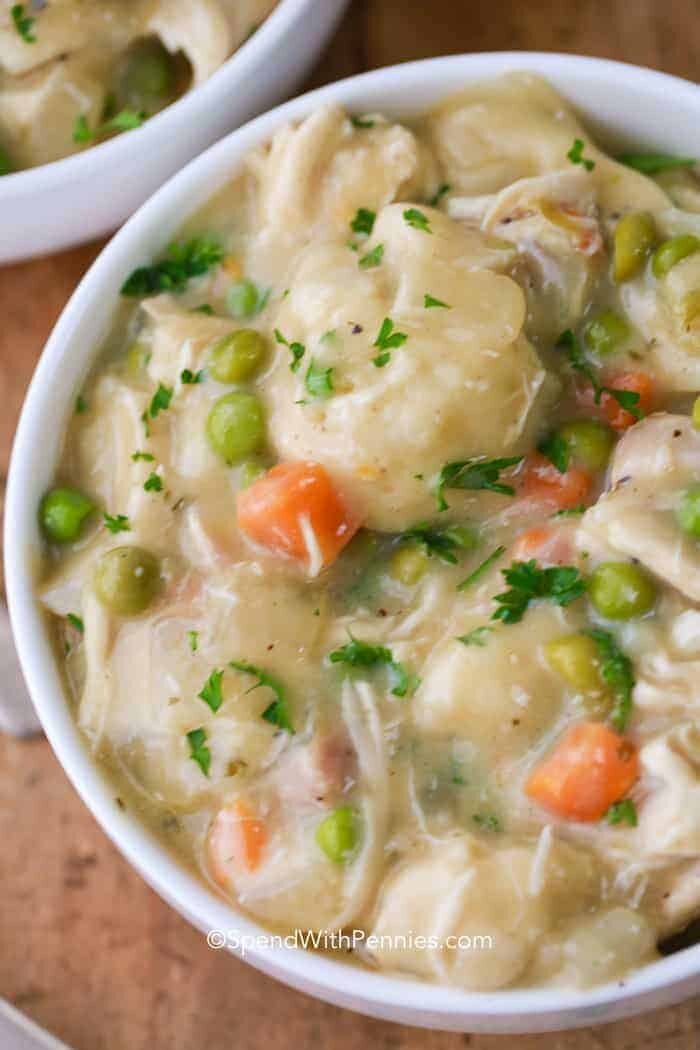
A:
x: 114, y: 151
x: 394, y: 997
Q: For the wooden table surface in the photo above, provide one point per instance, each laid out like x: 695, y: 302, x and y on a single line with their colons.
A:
x: 85, y: 948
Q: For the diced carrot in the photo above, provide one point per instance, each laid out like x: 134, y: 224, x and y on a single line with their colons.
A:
x: 292, y: 505
x: 640, y: 383
x: 609, y: 409
x: 590, y: 768
x: 542, y: 482
x: 546, y: 544
x: 237, y: 841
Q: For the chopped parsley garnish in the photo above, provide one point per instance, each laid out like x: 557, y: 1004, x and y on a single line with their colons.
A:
x: 361, y: 654
x: 617, y: 672
x: 386, y: 341
x: 211, y: 692
x: 80, y: 405
x: 205, y: 308
x: 297, y: 350
x: 153, y: 483
x: 193, y: 639
x: 160, y: 401
x: 372, y: 259
x: 576, y: 156
x: 362, y: 122
x: 479, y: 637
x: 363, y: 223
x: 570, y: 512
x: 482, y: 569
x: 318, y: 380
x: 623, y: 812
x: 487, y: 821
x: 125, y: 120
x: 557, y: 451
x: 429, y: 301
x: 441, y: 542
x: 475, y: 474
x: 117, y: 523
x: 561, y: 584
x: 277, y: 713
x: 23, y: 23
x: 417, y: 219
x: 76, y: 622
x: 188, y: 377
x: 627, y: 399
x: 171, y: 273
x: 655, y: 163
x: 437, y: 197
x: 199, y: 752
x: 145, y: 456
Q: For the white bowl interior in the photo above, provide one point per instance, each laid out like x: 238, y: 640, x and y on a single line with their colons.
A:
x: 624, y: 104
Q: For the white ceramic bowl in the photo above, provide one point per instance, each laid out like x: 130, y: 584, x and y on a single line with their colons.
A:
x: 629, y: 104
x: 90, y: 194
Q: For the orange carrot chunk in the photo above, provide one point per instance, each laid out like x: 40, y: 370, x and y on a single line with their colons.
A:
x: 292, y: 509
x: 590, y: 768
x: 237, y: 841
x: 640, y: 383
x: 543, y: 483
x: 547, y: 544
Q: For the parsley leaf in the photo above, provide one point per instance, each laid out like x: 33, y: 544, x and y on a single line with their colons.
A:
x: 417, y: 219
x: 557, y: 451
x: 617, y: 671
x: 363, y: 223
x: 205, y: 308
x: 193, y: 639
x: 627, y: 399
x: 76, y: 622
x: 443, y: 543
x: 357, y: 653
x: 479, y: 636
x: 386, y: 341
x: 561, y: 584
x: 442, y: 191
x: 153, y: 483
x: 362, y: 122
x: 487, y: 821
x: 297, y: 350
x: 475, y: 474
x: 81, y: 405
x: 277, y: 713
x: 146, y: 456
x: 571, y: 512
x: 318, y: 380
x: 211, y: 692
x: 481, y: 569
x: 160, y: 401
x: 187, y: 376
x: 654, y: 163
x: 117, y: 523
x: 576, y: 156
x: 199, y: 752
x: 372, y: 259
x: 430, y: 301
x: 623, y: 812
x: 171, y: 273
x: 24, y: 24
x: 125, y: 120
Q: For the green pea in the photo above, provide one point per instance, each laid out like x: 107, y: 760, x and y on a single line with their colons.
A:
x: 339, y: 834
x: 408, y: 564
x: 243, y: 299
x: 620, y: 590
x: 250, y: 471
x: 635, y: 237
x: 606, y: 332
x: 127, y: 579
x: 236, y: 426
x: 589, y: 442
x: 63, y: 513
x: 147, y: 75
x: 696, y: 413
x: 237, y: 356
x: 672, y: 251
x: 575, y: 658
x: 689, y: 512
